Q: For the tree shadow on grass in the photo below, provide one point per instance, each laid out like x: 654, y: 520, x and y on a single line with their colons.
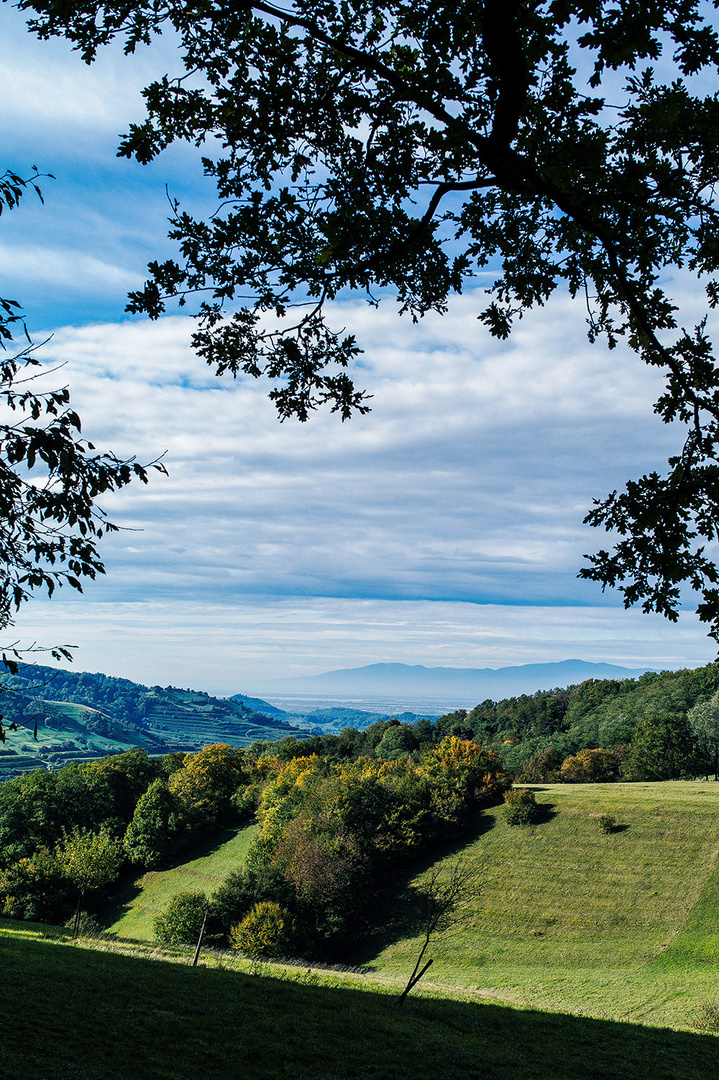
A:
x: 104, y: 1014
x: 398, y: 910
x: 124, y: 892
x: 545, y: 812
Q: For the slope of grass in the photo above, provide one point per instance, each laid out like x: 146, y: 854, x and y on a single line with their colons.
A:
x: 624, y: 925
x: 140, y: 901
x: 75, y: 1012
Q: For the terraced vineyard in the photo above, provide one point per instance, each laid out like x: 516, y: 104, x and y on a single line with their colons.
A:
x: 90, y: 722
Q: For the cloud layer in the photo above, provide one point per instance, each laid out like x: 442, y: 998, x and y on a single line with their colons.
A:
x: 445, y: 527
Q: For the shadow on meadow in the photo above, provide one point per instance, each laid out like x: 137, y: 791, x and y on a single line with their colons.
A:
x: 545, y: 812
x: 74, y: 1012
x: 399, y: 906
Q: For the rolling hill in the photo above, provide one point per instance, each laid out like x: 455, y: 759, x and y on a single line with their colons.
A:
x: 81, y: 716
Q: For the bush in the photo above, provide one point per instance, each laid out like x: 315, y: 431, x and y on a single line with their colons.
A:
x: 181, y: 922
x: 520, y: 807
x: 238, y: 894
x: 267, y: 930
x: 607, y: 823
x: 35, y: 888
x: 87, y: 925
x: 590, y: 767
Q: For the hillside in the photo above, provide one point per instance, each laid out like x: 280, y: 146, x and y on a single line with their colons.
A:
x: 129, y: 1017
x: 81, y: 716
x: 622, y: 926
x: 584, y: 956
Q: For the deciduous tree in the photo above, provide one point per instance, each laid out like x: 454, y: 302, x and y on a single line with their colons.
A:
x: 403, y: 146
x: 704, y: 724
x: 89, y: 860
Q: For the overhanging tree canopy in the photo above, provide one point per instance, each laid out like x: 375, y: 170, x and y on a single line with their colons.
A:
x: 401, y: 147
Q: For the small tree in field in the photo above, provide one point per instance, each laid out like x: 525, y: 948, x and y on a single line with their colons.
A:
x: 89, y: 860
x: 444, y: 894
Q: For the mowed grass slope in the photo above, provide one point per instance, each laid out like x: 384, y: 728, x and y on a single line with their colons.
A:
x: 141, y: 900
x: 622, y: 925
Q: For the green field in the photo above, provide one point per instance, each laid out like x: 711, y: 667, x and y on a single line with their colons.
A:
x: 142, y: 899
x: 624, y: 925
x: 89, y: 1014
x: 584, y: 955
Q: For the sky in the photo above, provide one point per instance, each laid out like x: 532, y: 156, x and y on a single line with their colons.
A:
x: 444, y: 528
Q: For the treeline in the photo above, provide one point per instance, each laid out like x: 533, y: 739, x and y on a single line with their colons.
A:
x: 652, y: 728
x: 332, y: 829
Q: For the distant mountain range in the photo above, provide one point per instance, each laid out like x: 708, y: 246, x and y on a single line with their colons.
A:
x: 452, y: 686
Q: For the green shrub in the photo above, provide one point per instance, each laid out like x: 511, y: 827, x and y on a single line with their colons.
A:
x: 181, y: 921
x: 607, y: 823
x: 590, y: 767
x: 267, y: 930
x: 520, y: 807
x: 87, y: 925
x: 35, y: 888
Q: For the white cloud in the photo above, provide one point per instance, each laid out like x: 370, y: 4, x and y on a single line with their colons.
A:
x: 63, y: 269
x: 50, y: 87
x: 468, y: 481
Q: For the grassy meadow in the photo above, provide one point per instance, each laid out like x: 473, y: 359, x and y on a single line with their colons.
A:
x: 142, y: 899
x: 583, y: 955
x: 622, y: 925
x: 87, y: 1014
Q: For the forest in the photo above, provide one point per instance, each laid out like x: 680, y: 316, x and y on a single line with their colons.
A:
x: 338, y: 815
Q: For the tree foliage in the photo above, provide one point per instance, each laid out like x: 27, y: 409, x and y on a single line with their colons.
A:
x: 152, y: 835
x: 89, y: 859
x: 704, y: 724
x: 662, y: 748
x: 401, y: 148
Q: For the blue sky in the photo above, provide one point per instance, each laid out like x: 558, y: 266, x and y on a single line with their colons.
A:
x: 444, y: 528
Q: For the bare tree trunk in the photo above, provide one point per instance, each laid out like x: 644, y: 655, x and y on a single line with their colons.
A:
x: 199, y: 941
x: 414, y: 979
